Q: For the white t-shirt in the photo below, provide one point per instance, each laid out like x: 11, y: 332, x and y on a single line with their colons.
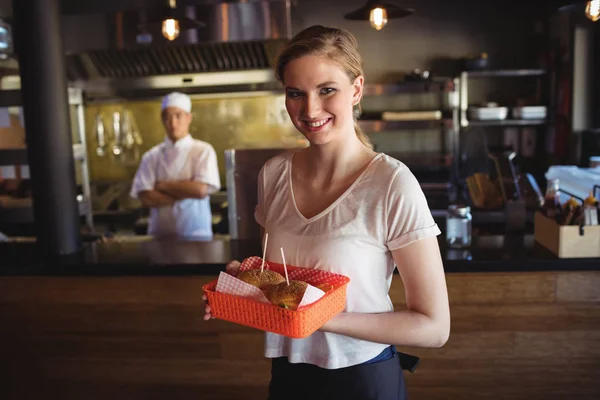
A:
x: 186, y: 159
x: 384, y: 209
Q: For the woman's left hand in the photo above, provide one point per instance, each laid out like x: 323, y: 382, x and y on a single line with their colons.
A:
x: 207, y: 314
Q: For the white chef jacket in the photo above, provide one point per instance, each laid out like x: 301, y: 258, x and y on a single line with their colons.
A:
x: 186, y: 159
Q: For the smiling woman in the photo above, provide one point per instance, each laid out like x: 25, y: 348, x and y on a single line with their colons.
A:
x: 322, y: 53
x: 339, y: 206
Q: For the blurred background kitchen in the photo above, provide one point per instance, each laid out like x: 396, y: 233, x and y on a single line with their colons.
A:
x: 486, y: 101
x: 464, y: 92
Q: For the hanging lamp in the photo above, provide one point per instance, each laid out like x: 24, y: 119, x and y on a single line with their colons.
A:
x: 378, y: 13
x: 173, y: 22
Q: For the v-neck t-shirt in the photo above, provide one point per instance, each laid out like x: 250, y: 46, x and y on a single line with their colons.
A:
x: 383, y: 210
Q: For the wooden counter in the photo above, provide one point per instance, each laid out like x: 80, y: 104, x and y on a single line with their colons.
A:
x: 515, y: 335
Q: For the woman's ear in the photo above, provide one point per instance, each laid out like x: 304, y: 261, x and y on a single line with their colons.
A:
x: 358, y: 89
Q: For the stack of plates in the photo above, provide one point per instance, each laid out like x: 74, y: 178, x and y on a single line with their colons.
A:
x: 529, y: 112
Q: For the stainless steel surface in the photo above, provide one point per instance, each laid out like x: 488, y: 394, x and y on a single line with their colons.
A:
x: 193, y: 83
x: 243, y: 167
x: 238, y: 36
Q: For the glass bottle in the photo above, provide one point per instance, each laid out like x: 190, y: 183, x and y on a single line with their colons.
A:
x: 590, y: 210
x: 458, y: 226
x: 551, y: 207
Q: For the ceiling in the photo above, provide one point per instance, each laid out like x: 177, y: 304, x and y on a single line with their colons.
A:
x: 70, y: 7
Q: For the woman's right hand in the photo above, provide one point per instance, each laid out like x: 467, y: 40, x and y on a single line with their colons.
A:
x: 231, y: 268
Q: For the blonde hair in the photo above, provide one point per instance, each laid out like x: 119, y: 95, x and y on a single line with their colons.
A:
x: 338, y: 45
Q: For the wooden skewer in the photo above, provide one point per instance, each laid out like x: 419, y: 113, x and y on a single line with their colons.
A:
x: 262, y: 265
x: 284, y: 267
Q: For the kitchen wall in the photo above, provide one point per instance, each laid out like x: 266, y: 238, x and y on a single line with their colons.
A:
x: 436, y: 37
x: 232, y: 121
x: 437, y: 32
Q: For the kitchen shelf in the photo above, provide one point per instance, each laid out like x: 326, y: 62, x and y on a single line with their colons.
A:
x: 505, y: 73
x: 499, y: 73
x: 19, y: 156
x: 427, y: 86
x: 377, y: 126
x: 508, y: 122
x: 435, y: 170
x: 13, y: 98
x: 25, y: 215
x: 430, y: 159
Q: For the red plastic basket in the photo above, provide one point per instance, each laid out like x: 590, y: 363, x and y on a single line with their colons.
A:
x: 268, y: 317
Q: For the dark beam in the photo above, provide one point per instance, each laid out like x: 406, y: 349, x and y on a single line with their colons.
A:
x: 46, y: 110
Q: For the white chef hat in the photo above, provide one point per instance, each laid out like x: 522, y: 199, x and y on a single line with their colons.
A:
x: 179, y: 100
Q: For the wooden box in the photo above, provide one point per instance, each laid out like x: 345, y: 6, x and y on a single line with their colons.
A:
x: 567, y: 241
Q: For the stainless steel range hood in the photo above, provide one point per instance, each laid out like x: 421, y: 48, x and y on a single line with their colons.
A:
x: 233, y: 51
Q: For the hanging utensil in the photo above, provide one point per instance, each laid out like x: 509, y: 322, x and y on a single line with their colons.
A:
x: 100, y: 136
x: 116, y: 148
x: 126, y: 131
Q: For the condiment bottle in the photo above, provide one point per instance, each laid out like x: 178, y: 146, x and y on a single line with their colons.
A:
x: 551, y: 207
x: 590, y: 210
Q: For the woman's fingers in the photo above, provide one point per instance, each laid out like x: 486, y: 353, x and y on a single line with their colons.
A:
x: 207, y: 314
x: 233, y: 267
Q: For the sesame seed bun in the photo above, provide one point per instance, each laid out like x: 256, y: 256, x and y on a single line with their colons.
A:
x: 287, y: 296
x: 262, y: 280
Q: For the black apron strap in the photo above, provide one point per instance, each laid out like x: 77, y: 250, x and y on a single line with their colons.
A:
x: 408, y: 362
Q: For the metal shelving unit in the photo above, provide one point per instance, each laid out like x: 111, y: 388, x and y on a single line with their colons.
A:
x: 505, y: 73
x: 372, y: 124
x: 501, y: 73
x: 12, y: 98
x: 509, y: 122
x: 464, y: 122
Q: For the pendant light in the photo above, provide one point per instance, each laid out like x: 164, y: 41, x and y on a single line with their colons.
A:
x: 172, y: 23
x: 378, y: 13
x: 592, y: 10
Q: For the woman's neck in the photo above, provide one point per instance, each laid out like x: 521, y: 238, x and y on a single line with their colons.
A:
x: 333, y: 161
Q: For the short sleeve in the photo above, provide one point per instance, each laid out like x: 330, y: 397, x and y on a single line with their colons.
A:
x: 145, y: 177
x: 259, y: 212
x: 206, y: 169
x: 408, y: 216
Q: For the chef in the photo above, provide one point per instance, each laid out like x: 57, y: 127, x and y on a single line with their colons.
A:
x: 176, y: 177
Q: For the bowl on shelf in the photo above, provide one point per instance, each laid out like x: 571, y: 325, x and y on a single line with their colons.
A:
x: 489, y: 113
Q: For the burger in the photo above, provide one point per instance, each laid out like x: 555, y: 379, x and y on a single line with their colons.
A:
x: 287, y: 296
x: 263, y: 280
